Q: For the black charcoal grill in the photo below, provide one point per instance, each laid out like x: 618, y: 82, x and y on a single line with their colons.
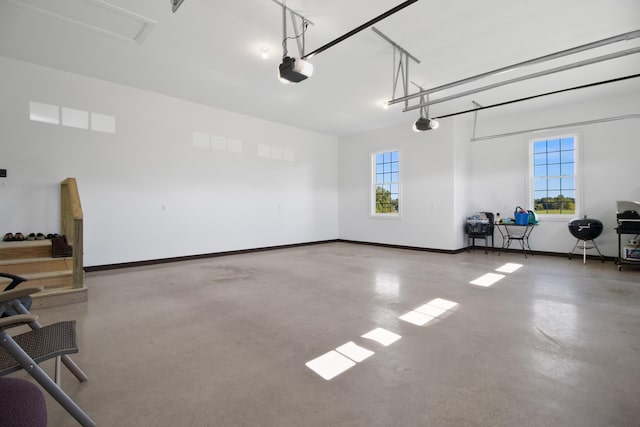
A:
x: 585, y: 230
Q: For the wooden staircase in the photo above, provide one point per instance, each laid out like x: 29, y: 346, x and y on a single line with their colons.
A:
x: 61, y: 278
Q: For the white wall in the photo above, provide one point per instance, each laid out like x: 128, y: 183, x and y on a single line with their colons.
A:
x: 147, y: 192
x: 427, y: 201
x: 446, y: 177
x: 462, y: 129
x: 609, y: 154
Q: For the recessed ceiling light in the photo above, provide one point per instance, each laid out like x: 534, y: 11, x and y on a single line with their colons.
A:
x: 264, y: 52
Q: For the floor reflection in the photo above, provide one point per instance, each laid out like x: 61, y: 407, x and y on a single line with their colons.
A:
x: 557, y: 367
x: 557, y: 324
x: 387, y: 285
x: 556, y: 320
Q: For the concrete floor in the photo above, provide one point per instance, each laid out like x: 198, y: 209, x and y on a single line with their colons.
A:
x: 225, y: 341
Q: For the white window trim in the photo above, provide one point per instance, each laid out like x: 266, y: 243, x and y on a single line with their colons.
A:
x: 372, y: 186
x: 577, y: 137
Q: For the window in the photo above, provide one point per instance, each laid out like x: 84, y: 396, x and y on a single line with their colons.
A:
x: 80, y: 119
x: 386, y: 183
x: 554, y: 175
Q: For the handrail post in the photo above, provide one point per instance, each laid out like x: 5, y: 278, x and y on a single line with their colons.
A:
x: 72, y: 226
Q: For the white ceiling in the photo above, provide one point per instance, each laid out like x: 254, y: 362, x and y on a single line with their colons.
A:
x: 210, y: 52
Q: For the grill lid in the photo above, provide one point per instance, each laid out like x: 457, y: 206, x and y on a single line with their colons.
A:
x: 585, y: 228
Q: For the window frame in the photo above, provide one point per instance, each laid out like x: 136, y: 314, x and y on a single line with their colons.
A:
x: 373, y: 186
x: 577, y: 175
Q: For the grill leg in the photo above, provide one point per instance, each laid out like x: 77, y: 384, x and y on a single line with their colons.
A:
x: 584, y: 248
x: 596, y: 246
x: 574, y: 248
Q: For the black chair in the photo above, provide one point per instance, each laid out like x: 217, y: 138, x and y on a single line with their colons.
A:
x: 481, y: 230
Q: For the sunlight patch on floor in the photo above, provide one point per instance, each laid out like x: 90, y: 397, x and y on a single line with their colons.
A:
x: 508, y: 268
x: 429, y: 311
x: 330, y: 364
x: 487, y: 280
x: 382, y: 336
x: 354, y: 352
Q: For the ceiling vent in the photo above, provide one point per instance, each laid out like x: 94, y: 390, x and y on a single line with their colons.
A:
x: 96, y: 15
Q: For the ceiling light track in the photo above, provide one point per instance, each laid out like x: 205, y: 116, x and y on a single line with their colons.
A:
x: 621, y: 37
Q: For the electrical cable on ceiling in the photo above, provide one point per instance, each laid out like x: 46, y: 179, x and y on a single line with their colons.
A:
x: 285, y: 51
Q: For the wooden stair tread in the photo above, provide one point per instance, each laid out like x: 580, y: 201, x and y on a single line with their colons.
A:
x: 24, y: 266
x: 43, y: 275
x: 31, y: 260
x: 49, y: 292
x: 24, y: 243
x: 61, y: 277
x: 56, y: 297
x: 28, y: 249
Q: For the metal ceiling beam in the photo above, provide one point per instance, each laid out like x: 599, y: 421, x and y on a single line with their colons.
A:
x: 175, y: 4
x: 400, y: 65
x: 293, y: 12
x: 394, y: 44
x: 621, y: 37
x: 526, y: 77
x: 527, y: 98
x: 565, y: 125
x: 298, y: 35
